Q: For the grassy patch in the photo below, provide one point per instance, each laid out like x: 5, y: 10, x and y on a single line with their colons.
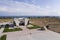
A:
x: 34, y: 27
x: 3, y: 37
x: 12, y: 30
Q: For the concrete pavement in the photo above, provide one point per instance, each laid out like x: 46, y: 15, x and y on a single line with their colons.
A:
x: 1, y: 31
x: 34, y: 34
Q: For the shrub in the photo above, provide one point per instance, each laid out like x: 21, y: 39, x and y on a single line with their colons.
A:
x: 3, y: 37
x: 12, y: 30
x: 34, y: 27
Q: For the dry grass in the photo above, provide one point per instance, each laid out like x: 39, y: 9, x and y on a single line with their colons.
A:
x: 45, y: 21
x: 55, y: 29
x: 5, y: 20
x: 53, y: 22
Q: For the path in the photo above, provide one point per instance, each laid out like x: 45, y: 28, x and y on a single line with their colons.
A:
x: 27, y: 34
x: 1, y: 31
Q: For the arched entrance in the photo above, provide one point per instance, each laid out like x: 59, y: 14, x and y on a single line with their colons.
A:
x: 21, y: 23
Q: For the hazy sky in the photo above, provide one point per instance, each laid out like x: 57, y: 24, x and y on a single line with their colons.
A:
x: 29, y: 7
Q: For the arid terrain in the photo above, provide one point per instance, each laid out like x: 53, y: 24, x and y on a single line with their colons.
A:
x: 53, y: 23
x: 34, y: 34
x: 45, y: 21
x: 6, y: 20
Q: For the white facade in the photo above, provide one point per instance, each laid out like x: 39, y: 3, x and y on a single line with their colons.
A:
x: 26, y: 21
x: 19, y: 20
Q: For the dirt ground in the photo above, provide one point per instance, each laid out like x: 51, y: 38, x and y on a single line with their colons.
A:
x: 5, y: 20
x: 52, y: 22
x: 45, y: 21
x: 55, y: 29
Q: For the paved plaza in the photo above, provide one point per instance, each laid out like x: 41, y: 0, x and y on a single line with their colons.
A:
x: 33, y: 34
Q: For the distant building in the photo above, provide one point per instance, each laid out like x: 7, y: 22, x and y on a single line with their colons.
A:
x: 5, y: 23
x: 21, y: 21
x: 16, y: 22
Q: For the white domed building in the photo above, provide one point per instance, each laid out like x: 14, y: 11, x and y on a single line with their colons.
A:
x: 21, y: 21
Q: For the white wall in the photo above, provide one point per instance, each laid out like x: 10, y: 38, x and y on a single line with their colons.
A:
x: 17, y: 22
x: 26, y: 21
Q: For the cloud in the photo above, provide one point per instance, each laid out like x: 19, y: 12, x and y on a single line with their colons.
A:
x: 22, y: 8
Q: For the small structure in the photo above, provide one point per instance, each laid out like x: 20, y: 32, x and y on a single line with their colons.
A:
x: 5, y: 23
x: 16, y: 22
x: 21, y: 21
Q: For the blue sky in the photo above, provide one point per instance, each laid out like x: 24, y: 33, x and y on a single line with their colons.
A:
x: 29, y: 7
